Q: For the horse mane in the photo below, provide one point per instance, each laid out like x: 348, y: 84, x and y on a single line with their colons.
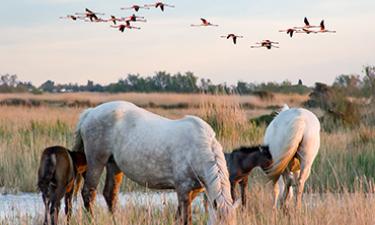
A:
x: 248, y: 149
x: 218, y: 185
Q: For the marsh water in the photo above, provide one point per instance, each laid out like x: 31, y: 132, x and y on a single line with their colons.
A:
x: 30, y: 204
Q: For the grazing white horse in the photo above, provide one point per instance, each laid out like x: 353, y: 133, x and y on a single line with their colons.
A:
x: 293, y: 138
x: 155, y: 152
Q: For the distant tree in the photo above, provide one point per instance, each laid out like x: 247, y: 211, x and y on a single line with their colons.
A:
x: 48, y: 86
x: 300, y: 82
x: 369, y: 81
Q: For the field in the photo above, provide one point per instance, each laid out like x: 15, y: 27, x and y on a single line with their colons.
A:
x: 339, y: 190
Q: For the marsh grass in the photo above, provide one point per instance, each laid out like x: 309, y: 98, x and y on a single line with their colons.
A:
x: 342, y: 178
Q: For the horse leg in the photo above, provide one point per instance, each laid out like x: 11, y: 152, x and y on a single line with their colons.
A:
x: 46, y: 205
x: 233, y: 192
x: 184, y: 207
x: 68, y: 204
x: 112, y: 185
x: 244, y: 184
x: 305, y: 172
x: 278, y: 186
x: 56, y: 197
x: 94, y: 170
x: 288, y: 190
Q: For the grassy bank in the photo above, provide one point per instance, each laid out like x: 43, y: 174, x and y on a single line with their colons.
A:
x: 345, y: 159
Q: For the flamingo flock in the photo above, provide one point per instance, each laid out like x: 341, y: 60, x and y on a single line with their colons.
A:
x: 307, y: 29
x: 91, y: 16
x: 125, y: 23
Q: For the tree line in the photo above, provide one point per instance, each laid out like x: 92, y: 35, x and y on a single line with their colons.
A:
x: 187, y: 82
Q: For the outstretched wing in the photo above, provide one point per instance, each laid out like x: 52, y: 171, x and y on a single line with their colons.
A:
x: 306, y: 22
x: 322, y: 27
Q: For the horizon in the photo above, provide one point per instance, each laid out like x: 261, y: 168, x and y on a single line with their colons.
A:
x: 38, y: 46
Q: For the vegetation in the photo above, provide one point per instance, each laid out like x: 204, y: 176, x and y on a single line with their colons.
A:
x: 340, y: 188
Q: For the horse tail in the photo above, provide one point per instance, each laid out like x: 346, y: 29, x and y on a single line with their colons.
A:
x: 283, y: 151
x: 218, y: 186
x: 78, y: 141
x: 46, y: 171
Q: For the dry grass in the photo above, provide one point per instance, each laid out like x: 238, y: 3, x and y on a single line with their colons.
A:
x: 342, y: 175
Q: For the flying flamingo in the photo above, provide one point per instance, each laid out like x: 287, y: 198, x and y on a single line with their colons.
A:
x: 291, y: 31
x: 233, y: 36
x: 323, y: 28
x: 121, y: 27
x: 307, y: 25
x: 115, y: 19
x: 159, y: 4
x: 135, y: 7
x: 204, y: 23
x: 93, y: 16
x: 307, y: 31
x: 135, y: 18
x: 71, y: 17
x: 265, y: 43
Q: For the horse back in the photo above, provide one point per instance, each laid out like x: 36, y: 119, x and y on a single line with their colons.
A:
x: 56, y: 167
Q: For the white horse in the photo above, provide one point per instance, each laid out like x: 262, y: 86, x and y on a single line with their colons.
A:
x: 293, y: 138
x: 155, y: 152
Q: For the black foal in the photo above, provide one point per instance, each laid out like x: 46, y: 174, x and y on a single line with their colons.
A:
x: 241, y: 161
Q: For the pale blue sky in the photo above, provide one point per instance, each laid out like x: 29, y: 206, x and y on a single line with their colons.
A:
x: 36, y: 45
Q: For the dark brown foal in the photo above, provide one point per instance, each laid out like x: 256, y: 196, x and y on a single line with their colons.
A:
x: 241, y: 162
x: 58, y: 170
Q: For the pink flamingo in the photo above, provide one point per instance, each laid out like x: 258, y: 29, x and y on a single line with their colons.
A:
x: 122, y: 27
x: 323, y: 28
x: 265, y: 43
x: 93, y: 16
x: 161, y: 5
x: 135, y: 7
x: 115, y: 19
x: 204, y: 23
x: 135, y: 18
x: 71, y: 17
x: 233, y: 36
x: 291, y: 31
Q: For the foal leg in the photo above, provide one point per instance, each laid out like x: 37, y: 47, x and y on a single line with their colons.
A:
x: 68, y: 204
x: 112, y: 185
x: 233, y: 192
x: 46, y: 206
x: 243, y: 184
x: 56, y: 197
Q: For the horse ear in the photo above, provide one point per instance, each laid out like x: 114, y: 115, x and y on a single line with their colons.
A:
x: 236, y: 203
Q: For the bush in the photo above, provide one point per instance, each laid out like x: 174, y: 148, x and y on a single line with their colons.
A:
x: 339, y: 111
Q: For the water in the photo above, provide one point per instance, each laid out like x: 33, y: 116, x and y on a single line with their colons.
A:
x: 31, y: 204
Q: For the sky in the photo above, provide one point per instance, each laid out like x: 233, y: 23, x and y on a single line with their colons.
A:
x: 36, y: 45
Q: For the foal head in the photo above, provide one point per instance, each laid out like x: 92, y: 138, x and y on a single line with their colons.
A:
x: 246, y: 158
x: 265, y: 158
